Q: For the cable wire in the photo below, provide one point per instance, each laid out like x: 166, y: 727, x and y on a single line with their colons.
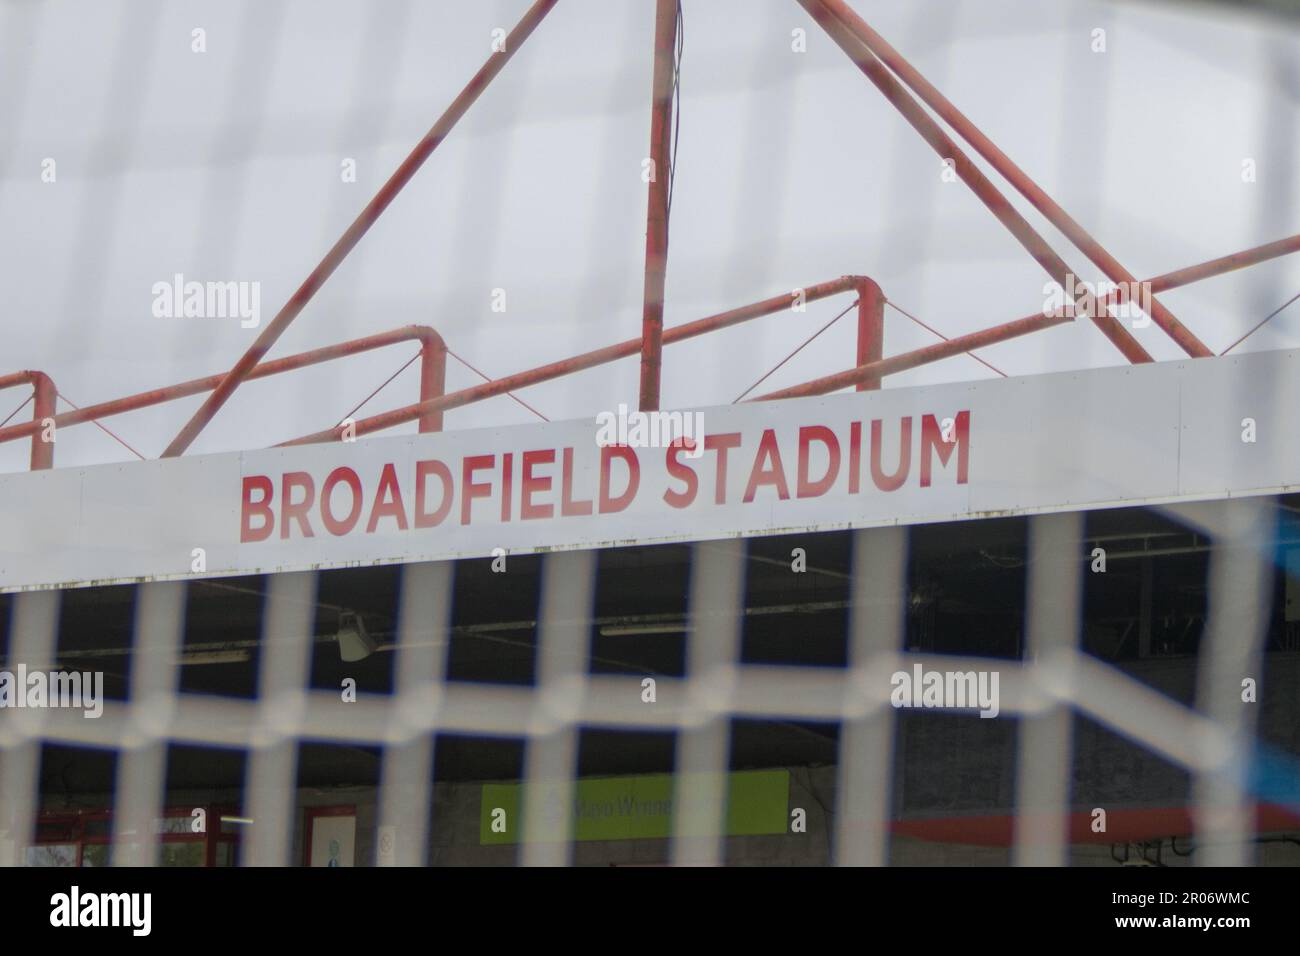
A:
x: 677, y: 105
x: 17, y: 410
x: 100, y: 425
x: 379, y: 389
x: 850, y: 306
x: 486, y: 378
x: 1260, y: 325
x: 934, y: 331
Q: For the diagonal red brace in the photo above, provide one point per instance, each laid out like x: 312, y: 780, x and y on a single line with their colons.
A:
x: 970, y: 174
x: 1041, y: 201
x: 656, y: 231
x: 348, y: 241
x: 44, y: 400
x: 873, y: 371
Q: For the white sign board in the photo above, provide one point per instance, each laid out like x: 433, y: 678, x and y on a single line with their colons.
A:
x: 1175, y: 431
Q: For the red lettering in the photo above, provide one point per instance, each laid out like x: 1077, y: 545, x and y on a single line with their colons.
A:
x: 608, y: 503
x: 424, y: 518
x: 683, y: 473
x: 932, y: 440
x: 895, y: 481
x: 291, y: 511
x: 855, y: 457
x: 471, y: 489
x: 812, y: 489
x: 388, y: 501
x: 507, y: 484
x: 530, y: 484
x: 720, y: 444
x: 257, y: 509
x: 765, y: 475
x: 568, y: 507
x: 332, y: 524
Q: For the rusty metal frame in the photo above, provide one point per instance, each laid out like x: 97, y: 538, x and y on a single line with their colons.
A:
x: 433, y: 378
x: 874, y: 48
x: 885, y: 67
x: 866, y: 374
x: 360, y: 226
x: 656, y: 232
x: 872, y: 371
x: 968, y: 172
x: 577, y: 363
x: 44, y: 400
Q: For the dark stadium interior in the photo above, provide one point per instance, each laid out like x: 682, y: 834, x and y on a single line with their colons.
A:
x: 966, y: 596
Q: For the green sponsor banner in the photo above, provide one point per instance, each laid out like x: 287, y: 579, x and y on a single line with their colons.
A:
x: 634, y: 808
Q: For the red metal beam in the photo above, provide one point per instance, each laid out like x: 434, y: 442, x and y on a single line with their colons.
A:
x: 434, y: 352
x: 1123, y: 825
x: 433, y: 379
x: 44, y: 401
x: 1041, y: 201
x: 924, y: 356
x: 433, y: 355
x: 871, y: 329
x: 656, y: 231
x: 1225, y: 264
x: 577, y: 363
x: 969, y: 173
x: 348, y: 241
x: 1030, y: 323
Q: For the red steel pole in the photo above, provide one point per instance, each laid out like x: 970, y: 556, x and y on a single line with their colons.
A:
x: 433, y: 379
x: 871, y: 329
x: 931, y: 353
x: 874, y: 371
x: 970, y: 174
x: 44, y: 400
x: 656, y: 233
x: 431, y: 344
x: 1224, y: 264
x: 1032, y: 323
x: 43, y: 410
x: 348, y: 241
x: 1041, y: 201
x: 610, y: 353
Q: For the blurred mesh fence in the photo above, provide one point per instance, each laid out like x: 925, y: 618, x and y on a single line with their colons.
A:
x: 1215, y: 742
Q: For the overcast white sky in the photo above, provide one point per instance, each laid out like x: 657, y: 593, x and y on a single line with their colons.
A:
x: 225, y: 165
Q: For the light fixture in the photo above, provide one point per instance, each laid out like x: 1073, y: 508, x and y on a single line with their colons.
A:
x: 354, y: 643
x: 620, y: 630
x: 216, y: 657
